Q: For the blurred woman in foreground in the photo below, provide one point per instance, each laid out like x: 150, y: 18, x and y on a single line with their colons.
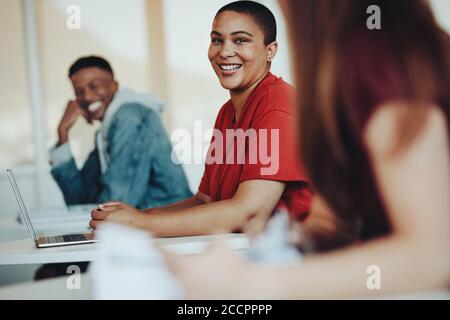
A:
x: 374, y: 127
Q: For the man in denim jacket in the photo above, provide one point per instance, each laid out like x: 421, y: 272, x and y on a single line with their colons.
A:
x: 132, y: 158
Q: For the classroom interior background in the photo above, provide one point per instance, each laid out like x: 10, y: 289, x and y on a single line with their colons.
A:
x: 156, y: 46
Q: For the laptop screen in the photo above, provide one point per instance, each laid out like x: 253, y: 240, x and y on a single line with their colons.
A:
x: 22, y: 208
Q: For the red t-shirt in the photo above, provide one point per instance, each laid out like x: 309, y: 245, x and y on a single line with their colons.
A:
x: 264, y: 148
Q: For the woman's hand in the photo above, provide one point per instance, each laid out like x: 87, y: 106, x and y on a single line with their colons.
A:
x: 217, y: 273
x: 116, y: 212
x: 323, y: 230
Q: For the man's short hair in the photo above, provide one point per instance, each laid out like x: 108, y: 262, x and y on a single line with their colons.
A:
x: 90, y: 61
x: 263, y: 17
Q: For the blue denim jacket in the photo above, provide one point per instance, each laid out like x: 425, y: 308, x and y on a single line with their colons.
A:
x: 141, y: 171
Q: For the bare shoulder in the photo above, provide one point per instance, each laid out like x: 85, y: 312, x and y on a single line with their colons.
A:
x: 383, y: 127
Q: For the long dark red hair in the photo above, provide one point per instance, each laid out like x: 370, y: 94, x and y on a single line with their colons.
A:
x: 344, y: 71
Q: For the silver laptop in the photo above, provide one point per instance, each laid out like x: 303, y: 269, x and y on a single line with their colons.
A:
x: 44, y: 242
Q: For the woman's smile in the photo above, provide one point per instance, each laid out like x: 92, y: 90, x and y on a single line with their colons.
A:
x: 229, y: 69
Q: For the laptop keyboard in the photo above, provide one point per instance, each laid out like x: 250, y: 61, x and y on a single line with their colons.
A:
x: 66, y: 238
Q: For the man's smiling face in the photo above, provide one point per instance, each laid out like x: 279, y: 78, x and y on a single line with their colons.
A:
x: 91, y: 85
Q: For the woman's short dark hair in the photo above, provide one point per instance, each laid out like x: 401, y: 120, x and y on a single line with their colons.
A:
x: 263, y: 17
x: 90, y: 61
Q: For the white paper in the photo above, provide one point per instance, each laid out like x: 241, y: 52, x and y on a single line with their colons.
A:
x: 128, y: 266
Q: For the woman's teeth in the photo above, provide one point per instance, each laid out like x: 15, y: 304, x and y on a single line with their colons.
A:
x: 95, y: 106
x: 230, y: 67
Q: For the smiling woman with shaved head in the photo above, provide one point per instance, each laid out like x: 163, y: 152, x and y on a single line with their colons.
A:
x: 239, y: 184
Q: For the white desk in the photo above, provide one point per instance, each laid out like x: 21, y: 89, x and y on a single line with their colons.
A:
x: 24, y: 251
x: 56, y: 289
